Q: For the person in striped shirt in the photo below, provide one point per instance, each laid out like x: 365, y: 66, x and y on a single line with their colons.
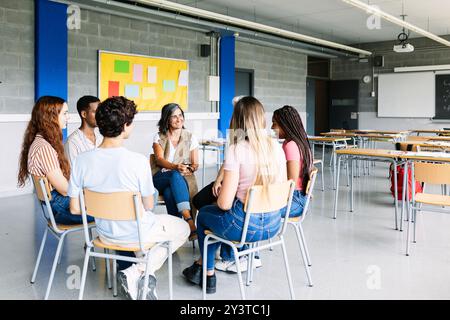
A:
x: 43, y: 155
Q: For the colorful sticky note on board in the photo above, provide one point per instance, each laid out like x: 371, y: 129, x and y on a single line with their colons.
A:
x: 183, y: 78
x: 137, y: 72
x: 149, y: 93
x: 131, y: 91
x: 121, y: 66
x: 169, y: 85
x: 151, y: 75
x: 113, y: 88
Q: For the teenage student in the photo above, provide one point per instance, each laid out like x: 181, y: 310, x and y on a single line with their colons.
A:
x: 174, y: 160
x: 287, y: 123
x: 43, y: 154
x: 85, y: 138
x: 253, y: 158
x: 113, y: 168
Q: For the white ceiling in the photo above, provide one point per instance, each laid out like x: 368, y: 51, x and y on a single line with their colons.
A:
x: 334, y: 20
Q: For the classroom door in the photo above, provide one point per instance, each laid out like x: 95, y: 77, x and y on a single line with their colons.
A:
x: 310, y: 106
x: 244, y: 82
x: 321, y: 117
x: 344, y: 111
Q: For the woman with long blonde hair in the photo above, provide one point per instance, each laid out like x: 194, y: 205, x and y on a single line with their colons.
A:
x: 43, y: 154
x: 252, y: 158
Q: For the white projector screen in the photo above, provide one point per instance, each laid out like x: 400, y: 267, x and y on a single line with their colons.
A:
x: 409, y: 94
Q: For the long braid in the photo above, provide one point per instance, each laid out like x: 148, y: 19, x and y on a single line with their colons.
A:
x: 290, y: 121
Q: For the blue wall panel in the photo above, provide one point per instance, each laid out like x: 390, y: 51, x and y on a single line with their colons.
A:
x: 227, y: 86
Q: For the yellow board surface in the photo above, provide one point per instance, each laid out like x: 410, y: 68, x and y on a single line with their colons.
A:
x: 149, y: 81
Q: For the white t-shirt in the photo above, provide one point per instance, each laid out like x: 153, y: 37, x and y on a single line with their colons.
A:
x: 78, y: 143
x: 193, y: 145
x: 114, y: 170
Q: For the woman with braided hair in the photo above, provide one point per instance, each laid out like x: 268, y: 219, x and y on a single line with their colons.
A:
x: 286, y: 122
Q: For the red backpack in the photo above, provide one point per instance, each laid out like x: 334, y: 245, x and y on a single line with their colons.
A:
x: 400, y: 175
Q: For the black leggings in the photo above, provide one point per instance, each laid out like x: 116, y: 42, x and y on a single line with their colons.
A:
x: 204, y: 197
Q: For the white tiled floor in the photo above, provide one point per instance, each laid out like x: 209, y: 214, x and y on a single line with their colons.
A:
x: 357, y: 256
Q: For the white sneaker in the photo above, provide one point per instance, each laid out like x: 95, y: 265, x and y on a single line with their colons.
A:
x: 151, y: 292
x: 128, y: 280
x: 223, y: 265
x: 243, y: 264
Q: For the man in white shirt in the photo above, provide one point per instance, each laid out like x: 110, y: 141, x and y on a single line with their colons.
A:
x: 113, y: 168
x: 86, y: 137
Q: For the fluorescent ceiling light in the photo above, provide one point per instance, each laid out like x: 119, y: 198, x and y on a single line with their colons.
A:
x: 423, y: 68
x: 374, y: 10
x: 249, y: 24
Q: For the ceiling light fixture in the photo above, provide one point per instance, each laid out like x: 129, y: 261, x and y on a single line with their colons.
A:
x: 249, y: 24
x: 374, y: 10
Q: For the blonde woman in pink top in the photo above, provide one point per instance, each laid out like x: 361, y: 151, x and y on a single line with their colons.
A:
x: 287, y: 123
x: 253, y: 158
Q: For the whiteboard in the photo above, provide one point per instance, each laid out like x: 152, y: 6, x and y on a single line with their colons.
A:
x: 410, y: 95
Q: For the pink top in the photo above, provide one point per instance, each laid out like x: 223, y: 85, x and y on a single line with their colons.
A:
x: 241, y: 158
x: 293, y: 154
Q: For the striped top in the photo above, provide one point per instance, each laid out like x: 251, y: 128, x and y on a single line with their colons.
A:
x: 42, y: 157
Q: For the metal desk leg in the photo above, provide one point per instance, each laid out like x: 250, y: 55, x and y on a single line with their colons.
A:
x: 203, y: 167
x: 351, y: 184
x: 405, y: 170
x: 394, y: 162
x: 333, y: 156
x: 337, y: 186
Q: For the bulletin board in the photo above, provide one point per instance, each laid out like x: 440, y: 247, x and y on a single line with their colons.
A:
x: 151, y: 82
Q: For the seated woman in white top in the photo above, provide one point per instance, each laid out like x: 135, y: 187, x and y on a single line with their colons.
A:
x: 174, y: 161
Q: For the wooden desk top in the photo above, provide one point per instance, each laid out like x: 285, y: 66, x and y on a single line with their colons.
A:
x: 426, y: 156
x: 437, y: 131
x: 372, y: 131
x: 362, y: 135
x: 429, y: 143
x: 328, y: 139
x: 381, y: 153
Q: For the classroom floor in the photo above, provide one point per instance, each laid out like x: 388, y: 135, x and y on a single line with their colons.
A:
x: 357, y: 256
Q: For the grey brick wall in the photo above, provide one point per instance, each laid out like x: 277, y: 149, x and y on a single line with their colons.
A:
x: 108, y: 32
x: 427, y: 52
x: 280, y: 76
x: 16, y: 56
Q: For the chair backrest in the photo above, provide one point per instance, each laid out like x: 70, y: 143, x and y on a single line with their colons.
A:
x: 432, y: 173
x: 117, y: 206
x: 267, y: 199
x: 405, y: 146
x: 308, y: 192
x: 38, y: 188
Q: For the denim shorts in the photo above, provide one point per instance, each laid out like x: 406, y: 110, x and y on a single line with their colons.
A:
x: 298, y: 203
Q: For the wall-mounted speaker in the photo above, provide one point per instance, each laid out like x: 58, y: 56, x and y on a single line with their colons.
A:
x: 205, y: 50
x: 378, y: 61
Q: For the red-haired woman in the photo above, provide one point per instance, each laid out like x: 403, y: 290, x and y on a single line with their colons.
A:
x: 43, y: 154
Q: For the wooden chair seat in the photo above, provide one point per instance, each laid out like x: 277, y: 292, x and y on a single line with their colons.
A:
x: 99, y: 244
x: 434, y: 199
x: 65, y: 227
x: 294, y: 219
x: 210, y: 232
x: 316, y: 161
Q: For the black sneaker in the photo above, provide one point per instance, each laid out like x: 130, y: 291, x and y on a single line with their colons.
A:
x: 210, y: 284
x: 193, y: 273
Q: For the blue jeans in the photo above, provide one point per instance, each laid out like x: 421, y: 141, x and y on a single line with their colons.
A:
x: 229, y: 225
x: 60, y: 206
x: 298, y: 203
x: 174, y: 189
